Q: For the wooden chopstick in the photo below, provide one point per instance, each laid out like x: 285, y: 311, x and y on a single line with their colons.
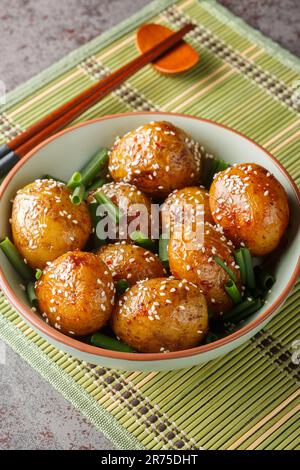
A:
x: 11, y: 152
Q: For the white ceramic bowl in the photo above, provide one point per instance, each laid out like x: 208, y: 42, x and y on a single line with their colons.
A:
x: 67, y: 151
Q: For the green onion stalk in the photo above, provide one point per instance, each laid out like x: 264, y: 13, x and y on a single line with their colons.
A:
x: 142, y: 240
x: 121, y: 286
x: 107, y: 342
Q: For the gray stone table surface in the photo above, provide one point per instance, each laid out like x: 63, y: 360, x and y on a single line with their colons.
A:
x: 35, y: 34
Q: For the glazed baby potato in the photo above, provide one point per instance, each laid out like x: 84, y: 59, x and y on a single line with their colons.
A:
x: 130, y: 262
x: 76, y: 293
x: 126, y: 196
x: 160, y: 315
x: 196, y: 263
x: 175, y: 204
x: 157, y: 157
x: 251, y: 206
x: 45, y: 223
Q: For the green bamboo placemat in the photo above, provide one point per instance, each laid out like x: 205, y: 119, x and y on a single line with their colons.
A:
x: 250, y: 398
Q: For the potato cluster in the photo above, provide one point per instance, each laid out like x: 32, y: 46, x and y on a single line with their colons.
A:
x: 162, y: 309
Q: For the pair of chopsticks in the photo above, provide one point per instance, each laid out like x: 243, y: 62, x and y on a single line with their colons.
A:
x: 18, y: 147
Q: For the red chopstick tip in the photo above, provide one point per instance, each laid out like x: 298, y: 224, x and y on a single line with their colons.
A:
x: 188, y: 27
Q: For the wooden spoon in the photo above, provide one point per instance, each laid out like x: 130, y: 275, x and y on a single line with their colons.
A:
x: 179, y: 59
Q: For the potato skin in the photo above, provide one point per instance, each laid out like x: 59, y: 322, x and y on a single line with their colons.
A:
x: 125, y: 195
x: 131, y: 262
x: 45, y: 223
x: 251, y: 206
x: 191, y: 196
x: 198, y: 266
x: 76, y: 293
x: 161, y: 315
x: 157, y: 157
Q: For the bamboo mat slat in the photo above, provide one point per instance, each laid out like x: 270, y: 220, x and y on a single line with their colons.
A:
x: 250, y: 398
